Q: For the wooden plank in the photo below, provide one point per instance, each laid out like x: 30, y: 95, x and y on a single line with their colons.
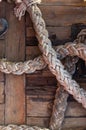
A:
x: 60, y: 33
x: 75, y: 123
x: 2, y: 114
x: 2, y: 55
x: 2, y: 41
x: 44, y: 109
x: 69, y: 123
x: 15, y: 85
x: 61, y: 15
x: 66, y: 2
x: 74, y: 109
x: 42, y: 81
x: 1, y: 92
x: 31, y: 54
x: 41, y: 122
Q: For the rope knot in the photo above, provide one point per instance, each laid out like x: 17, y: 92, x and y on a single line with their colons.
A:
x: 21, y: 9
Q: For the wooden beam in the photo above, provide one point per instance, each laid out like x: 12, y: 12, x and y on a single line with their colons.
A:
x: 15, y: 85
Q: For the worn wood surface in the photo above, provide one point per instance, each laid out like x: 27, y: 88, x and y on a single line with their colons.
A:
x: 62, y: 15
x: 2, y: 78
x: 15, y: 85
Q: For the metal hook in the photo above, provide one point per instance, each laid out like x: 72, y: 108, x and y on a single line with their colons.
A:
x: 4, y: 24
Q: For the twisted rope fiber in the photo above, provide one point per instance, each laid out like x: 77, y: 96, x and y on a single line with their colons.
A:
x: 50, y: 56
x: 61, y: 96
x: 21, y: 127
x: 38, y: 63
x: 59, y: 108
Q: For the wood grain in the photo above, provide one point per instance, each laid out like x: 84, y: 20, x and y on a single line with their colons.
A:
x: 66, y: 2
x: 15, y: 85
x: 2, y: 114
x: 69, y: 123
x: 45, y: 108
x: 61, y: 15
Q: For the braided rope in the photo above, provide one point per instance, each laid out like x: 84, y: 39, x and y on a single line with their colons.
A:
x: 20, y: 67
x: 38, y: 63
x: 59, y: 108
x: 61, y: 96
x: 21, y: 127
x: 50, y: 56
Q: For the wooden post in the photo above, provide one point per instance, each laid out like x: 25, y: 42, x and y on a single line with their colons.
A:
x: 15, y: 85
x: 2, y: 79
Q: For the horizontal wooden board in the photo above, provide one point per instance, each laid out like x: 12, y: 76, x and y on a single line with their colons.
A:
x: 32, y: 52
x: 73, y: 123
x: 45, y: 81
x: 54, y: 32
x: 35, y: 121
x: 61, y: 15
x: 65, y: 2
x: 42, y: 81
x: 74, y: 109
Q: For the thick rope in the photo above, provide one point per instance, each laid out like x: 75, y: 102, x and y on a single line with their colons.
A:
x: 59, y: 108
x: 38, y: 63
x: 20, y: 67
x: 61, y: 96
x: 50, y: 56
x: 21, y: 127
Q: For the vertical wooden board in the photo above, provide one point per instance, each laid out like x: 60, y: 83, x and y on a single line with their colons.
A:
x: 15, y: 100
x: 1, y: 114
x: 1, y: 92
x: 2, y: 40
x: 15, y: 85
x: 2, y: 54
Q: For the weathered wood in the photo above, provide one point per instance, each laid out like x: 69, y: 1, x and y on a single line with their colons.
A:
x: 2, y: 106
x: 61, y: 15
x: 66, y: 2
x: 73, y: 123
x: 2, y: 41
x: 2, y: 55
x: 15, y: 85
x: 30, y: 53
x: 74, y: 109
x: 41, y: 81
x: 35, y: 121
x: 59, y: 32
x: 1, y: 92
